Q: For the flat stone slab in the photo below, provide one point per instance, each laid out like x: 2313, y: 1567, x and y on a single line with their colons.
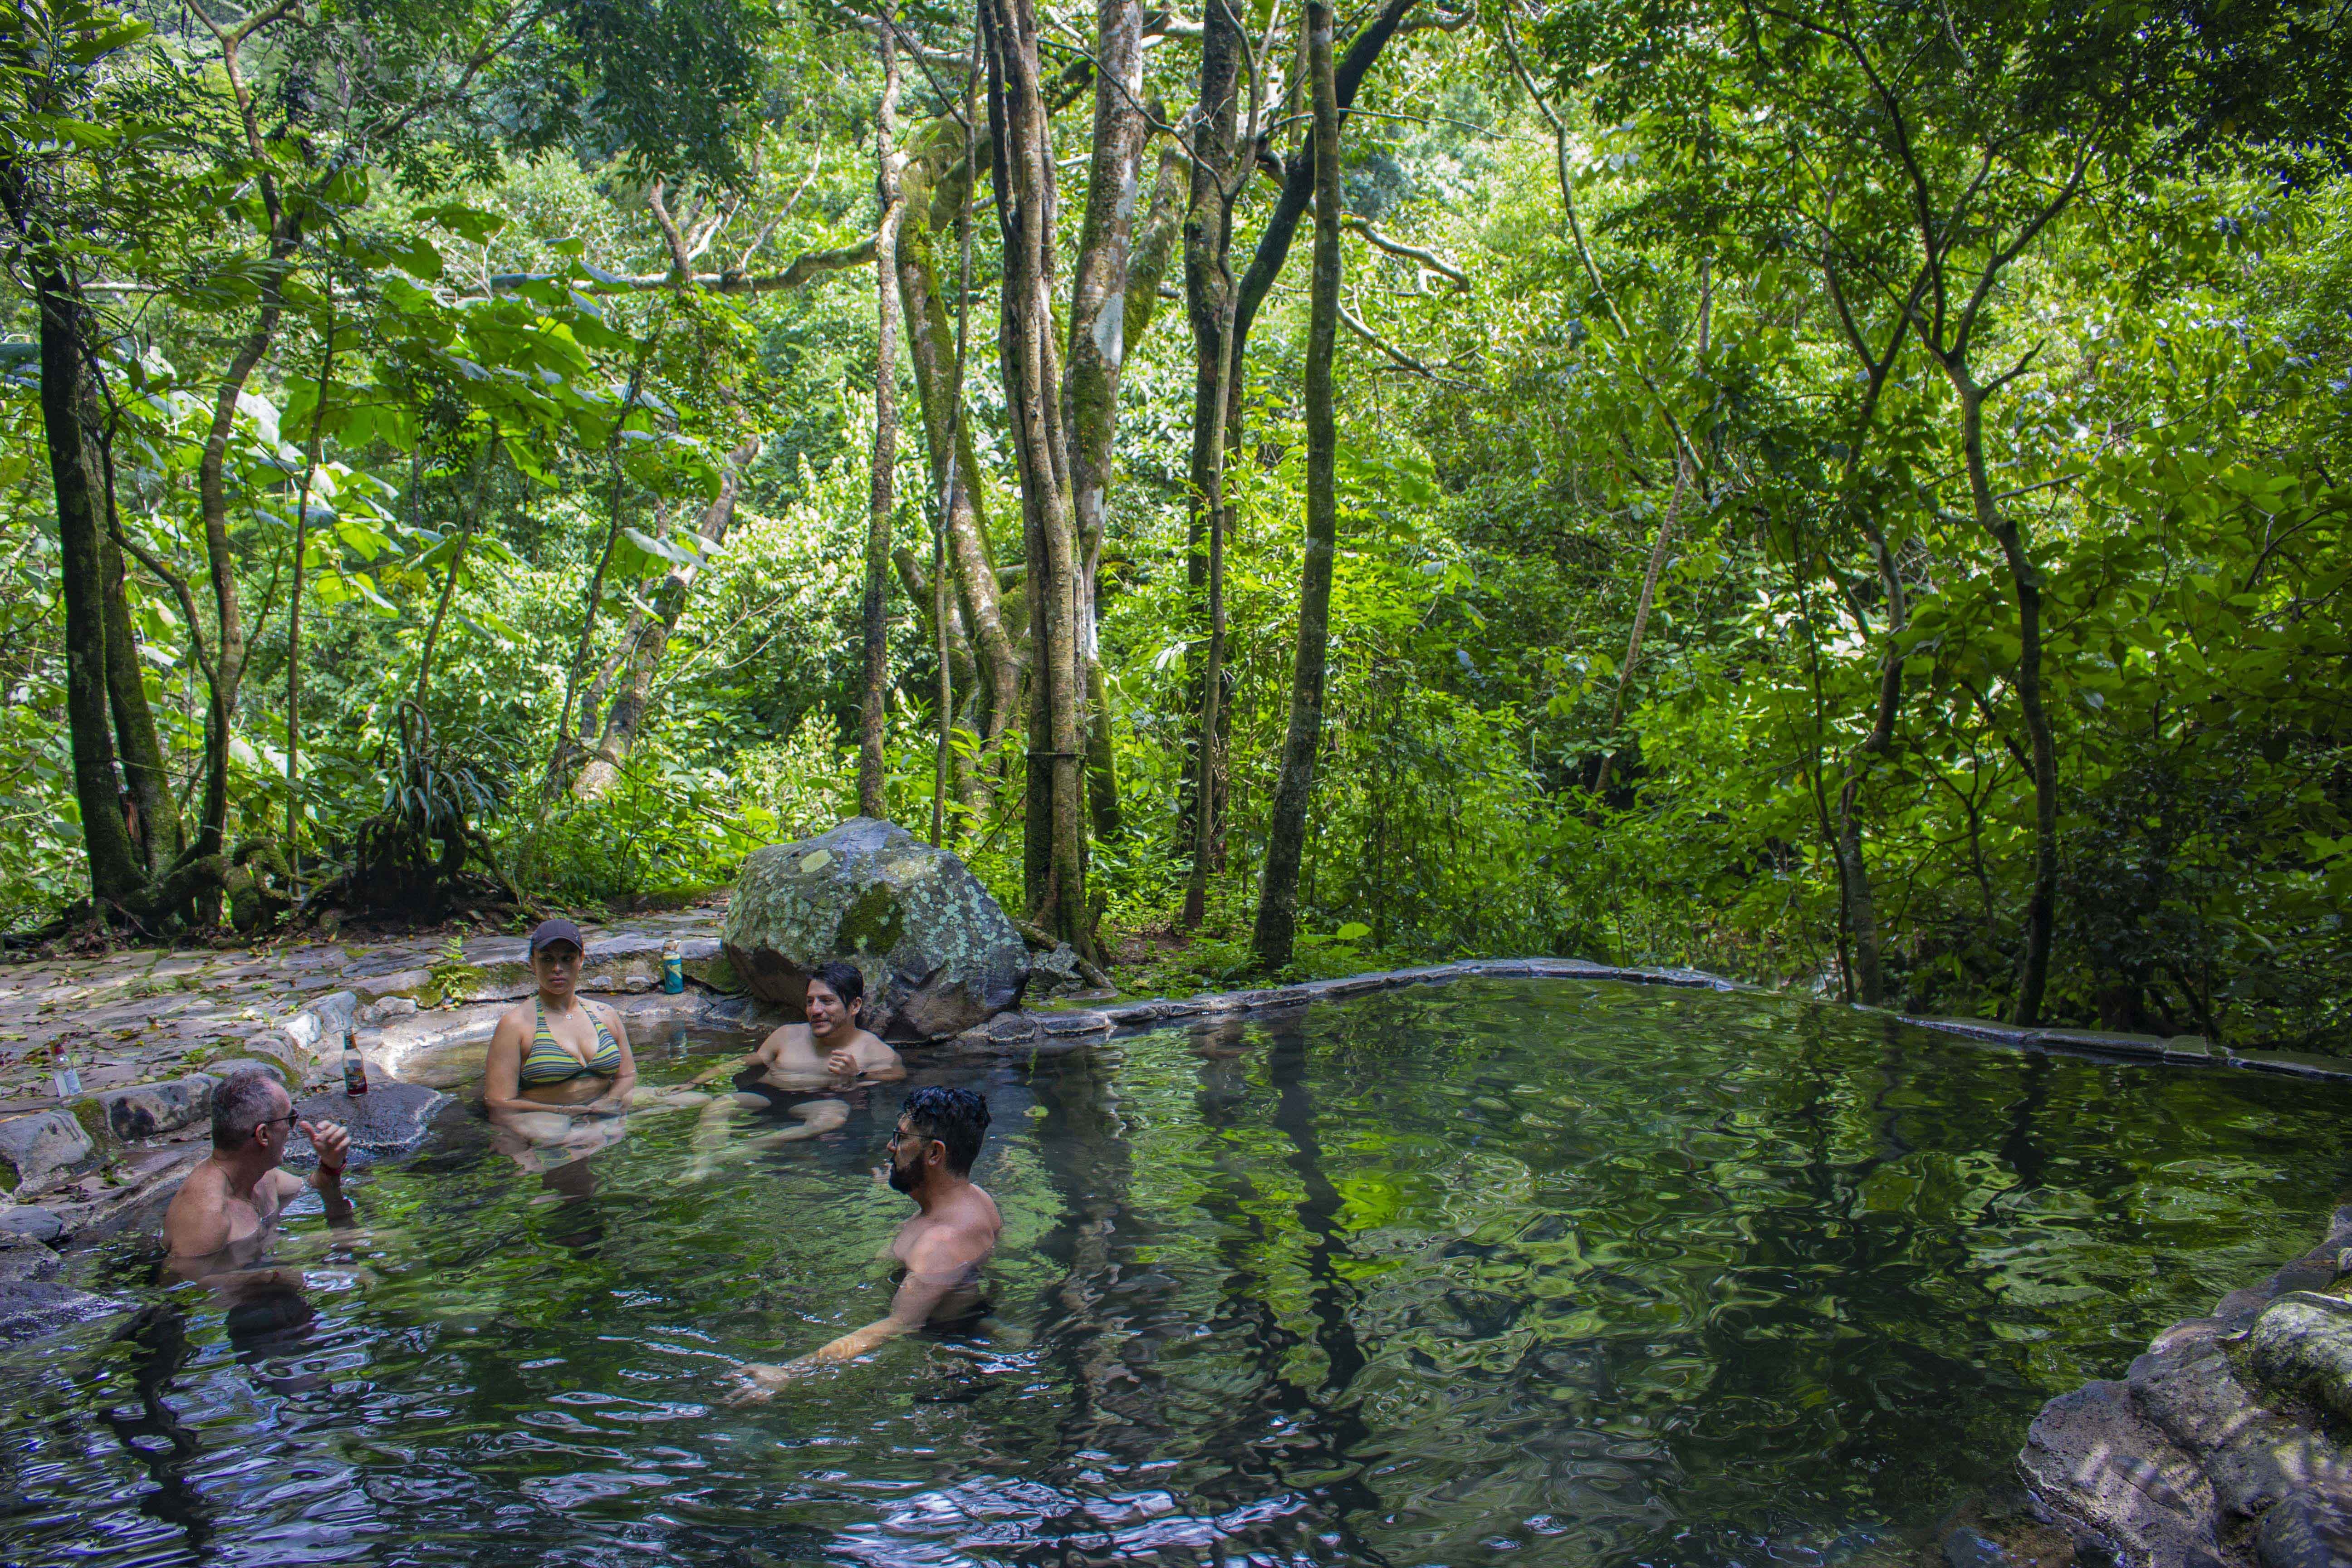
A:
x: 38, y: 1150
x: 391, y: 1118
x: 34, y: 1309
x: 2293, y: 1064
x: 21, y: 1259
x: 147, y: 1109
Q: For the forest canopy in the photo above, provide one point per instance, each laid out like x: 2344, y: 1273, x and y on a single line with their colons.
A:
x: 1845, y: 497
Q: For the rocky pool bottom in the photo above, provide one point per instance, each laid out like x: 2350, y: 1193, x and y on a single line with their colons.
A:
x: 1576, y: 1272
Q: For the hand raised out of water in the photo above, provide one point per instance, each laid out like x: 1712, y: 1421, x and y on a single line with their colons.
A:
x: 330, y: 1140
x: 842, y: 1063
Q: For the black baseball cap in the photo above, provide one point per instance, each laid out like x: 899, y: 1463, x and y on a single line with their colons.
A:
x: 556, y: 931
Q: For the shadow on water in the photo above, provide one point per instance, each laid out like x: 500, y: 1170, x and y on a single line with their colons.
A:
x: 1576, y: 1273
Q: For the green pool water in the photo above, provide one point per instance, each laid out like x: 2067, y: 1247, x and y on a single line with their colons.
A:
x: 1573, y: 1273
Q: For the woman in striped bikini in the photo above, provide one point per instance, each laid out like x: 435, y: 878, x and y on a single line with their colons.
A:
x: 559, y: 1072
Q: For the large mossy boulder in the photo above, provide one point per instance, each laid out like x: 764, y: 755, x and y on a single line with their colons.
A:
x: 938, y: 954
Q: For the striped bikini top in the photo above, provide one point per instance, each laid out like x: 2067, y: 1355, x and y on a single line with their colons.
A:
x: 548, y: 1062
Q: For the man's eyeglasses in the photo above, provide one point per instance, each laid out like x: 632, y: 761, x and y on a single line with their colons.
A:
x: 903, y: 1136
x: 290, y: 1118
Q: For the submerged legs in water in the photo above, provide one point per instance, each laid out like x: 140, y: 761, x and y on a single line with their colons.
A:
x: 713, y: 1132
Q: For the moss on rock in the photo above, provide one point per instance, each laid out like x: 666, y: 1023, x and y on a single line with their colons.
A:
x: 938, y: 954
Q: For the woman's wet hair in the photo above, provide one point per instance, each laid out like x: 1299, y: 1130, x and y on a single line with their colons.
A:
x: 956, y: 1117
x: 844, y: 979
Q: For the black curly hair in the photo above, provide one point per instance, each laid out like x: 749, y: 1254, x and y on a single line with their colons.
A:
x: 956, y: 1117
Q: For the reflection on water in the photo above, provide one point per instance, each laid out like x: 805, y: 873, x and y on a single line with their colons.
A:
x: 1574, y: 1273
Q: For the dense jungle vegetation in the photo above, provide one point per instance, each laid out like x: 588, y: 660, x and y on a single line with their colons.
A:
x: 1849, y: 496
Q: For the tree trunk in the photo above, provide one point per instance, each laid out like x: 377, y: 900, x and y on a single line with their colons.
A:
x: 930, y: 337
x: 929, y: 598
x: 229, y: 649
x: 564, y: 747
x: 449, y: 582
x: 1209, y: 751
x: 157, y: 835
x: 1208, y: 299
x: 875, y: 620
x: 1278, y: 906
x: 1642, y: 613
x: 1861, y: 899
x: 1055, y: 879
x: 626, y: 720
x: 1154, y: 244
x: 294, y: 601
x: 1299, y: 183
x: 2042, y: 906
x: 115, y: 871
x: 1099, y: 352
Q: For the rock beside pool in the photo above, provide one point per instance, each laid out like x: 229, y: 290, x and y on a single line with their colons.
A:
x: 2306, y: 1532
x: 40, y: 1149
x: 146, y: 1110
x: 938, y: 954
x: 23, y: 1259
x: 391, y: 1118
x: 30, y: 1309
x: 2303, y: 1344
x: 2220, y: 1450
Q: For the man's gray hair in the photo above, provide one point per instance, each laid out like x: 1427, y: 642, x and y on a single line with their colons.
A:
x: 239, y: 1104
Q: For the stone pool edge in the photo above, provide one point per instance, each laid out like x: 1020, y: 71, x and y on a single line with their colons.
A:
x: 1076, y: 1024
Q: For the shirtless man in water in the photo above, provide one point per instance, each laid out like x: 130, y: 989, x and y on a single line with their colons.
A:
x: 941, y: 1246
x: 830, y: 1052
x: 219, y: 1222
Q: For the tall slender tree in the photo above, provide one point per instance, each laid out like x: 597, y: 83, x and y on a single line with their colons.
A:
x: 1099, y: 293
x: 874, y: 618
x: 1054, y: 848
x: 1273, y: 939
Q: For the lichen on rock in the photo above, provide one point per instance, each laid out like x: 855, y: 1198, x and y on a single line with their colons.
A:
x: 938, y: 954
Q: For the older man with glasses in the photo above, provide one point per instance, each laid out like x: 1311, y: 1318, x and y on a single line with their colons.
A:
x: 220, y: 1221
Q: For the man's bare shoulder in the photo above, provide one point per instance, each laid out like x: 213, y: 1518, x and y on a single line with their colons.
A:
x: 942, y: 1251
x: 785, y: 1037
x: 196, y: 1224
x: 987, y: 1207
x: 878, y: 1058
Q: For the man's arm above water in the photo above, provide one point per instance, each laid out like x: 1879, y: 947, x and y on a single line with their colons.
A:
x: 938, y: 1265
x: 332, y: 1141
x: 761, y: 1056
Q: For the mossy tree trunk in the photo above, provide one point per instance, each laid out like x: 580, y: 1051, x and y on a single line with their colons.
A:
x: 1054, y: 846
x: 874, y: 617
x: 936, y: 181
x: 1098, y: 353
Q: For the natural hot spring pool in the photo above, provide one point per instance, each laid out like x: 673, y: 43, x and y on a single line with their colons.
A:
x: 1504, y: 1271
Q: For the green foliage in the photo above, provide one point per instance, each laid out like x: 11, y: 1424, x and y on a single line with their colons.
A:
x: 448, y: 229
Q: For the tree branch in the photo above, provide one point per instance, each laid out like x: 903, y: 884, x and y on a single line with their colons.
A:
x: 1428, y: 258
